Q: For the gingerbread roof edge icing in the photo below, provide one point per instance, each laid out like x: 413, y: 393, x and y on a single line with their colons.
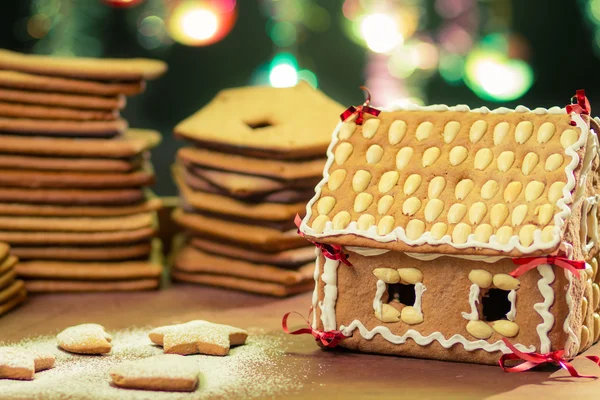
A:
x: 440, y: 179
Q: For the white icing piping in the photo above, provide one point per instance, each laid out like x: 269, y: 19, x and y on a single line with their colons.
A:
x: 572, y: 339
x: 543, y: 309
x: 425, y: 340
x: 327, y: 306
x: 589, y: 223
x: 512, y: 297
x: 473, y: 301
x: 427, y: 238
x: 419, y: 290
x: 433, y: 256
x: 377, y: 302
x: 366, y: 251
x: 315, y: 296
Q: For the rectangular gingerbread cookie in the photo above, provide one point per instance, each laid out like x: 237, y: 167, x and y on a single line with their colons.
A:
x: 88, y: 271
x: 11, y: 290
x: 286, y: 258
x: 13, y: 302
x: 132, y: 143
x: 74, y: 164
x: 62, y: 286
x: 70, y: 101
x: 39, y: 238
x: 71, y: 196
x: 244, y: 185
x: 73, y: 180
x: 246, y: 285
x: 192, y: 260
x: 210, y: 202
x: 254, y: 237
x: 149, y: 203
x: 42, y: 112
x: 283, y: 196
x: 275, y: 169
x: 77, y: 224
x: 83, y: 253
x: 40, y: 83
x: 62, y: 128
x: 105, y: 69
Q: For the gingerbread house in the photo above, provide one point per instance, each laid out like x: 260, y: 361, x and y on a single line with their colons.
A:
x: 467, y: 232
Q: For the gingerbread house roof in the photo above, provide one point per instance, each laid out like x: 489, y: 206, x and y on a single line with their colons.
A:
x: 452, y: 180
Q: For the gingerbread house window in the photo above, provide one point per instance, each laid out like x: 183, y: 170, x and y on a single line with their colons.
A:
x: 495, y: 304
x: 399, y: 295
x: 402, y: 294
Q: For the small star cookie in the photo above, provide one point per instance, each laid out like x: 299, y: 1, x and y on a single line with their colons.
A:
x: 21, y: 364
x: 198, y: 337
x: 85, y: 339
x: 167, y: 372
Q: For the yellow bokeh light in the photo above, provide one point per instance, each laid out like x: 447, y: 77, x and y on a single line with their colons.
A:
x: 197, y: 23
x: 200, y: 24
x: 380, y: 32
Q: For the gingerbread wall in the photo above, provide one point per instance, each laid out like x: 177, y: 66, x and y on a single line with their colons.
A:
x: 445, y: 298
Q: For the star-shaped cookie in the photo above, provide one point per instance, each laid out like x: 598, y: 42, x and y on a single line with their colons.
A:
x: 198, y: 337
x: 167, y: 372
x: 85, y: 339
x: 21, y: 364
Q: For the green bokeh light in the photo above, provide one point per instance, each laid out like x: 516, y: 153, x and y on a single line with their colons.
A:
x: 451, y: 68
x: 309, y: 77
x: 283, y: 33
x: 495, y: 77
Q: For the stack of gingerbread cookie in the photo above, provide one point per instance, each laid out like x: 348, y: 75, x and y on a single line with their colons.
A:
x: 74, y: 203
x: 12, y: 290
x: 258, y: 152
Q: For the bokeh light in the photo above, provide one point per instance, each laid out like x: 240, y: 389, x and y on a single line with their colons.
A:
x: 283, y: 71
x: 283, y: 33
x: 493, y: 76
x: 152, y: 32
x: 451, y: 68
x: 200, y: 23
x: 308, y: 77
x: 38, y: 26
x: 283, y: 75
x: 122, y: 3
x: 380, y: 32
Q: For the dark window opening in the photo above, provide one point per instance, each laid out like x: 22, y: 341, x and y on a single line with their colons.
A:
x: 404, y: 294
x: 495, y: 304
x: 259, y: 124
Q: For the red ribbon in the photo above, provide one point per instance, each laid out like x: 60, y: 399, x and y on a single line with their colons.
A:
x: 327, y: 338
x: 532, y: 360
x: 579, y: 104
x: 360, y: 110
x: 331, y: 251
x: 527, y: 263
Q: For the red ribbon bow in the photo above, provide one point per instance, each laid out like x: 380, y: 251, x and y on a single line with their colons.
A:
x: 527, y: 263
x: 532, y: 360
x: 360, y: 110
x: 579, y: 104
x: 327, y: 338
x: 331, y: 251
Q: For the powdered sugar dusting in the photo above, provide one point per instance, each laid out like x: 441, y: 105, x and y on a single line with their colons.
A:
x: 255, y: 370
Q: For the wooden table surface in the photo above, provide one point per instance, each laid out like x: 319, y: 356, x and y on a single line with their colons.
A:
x: 322, y: 374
